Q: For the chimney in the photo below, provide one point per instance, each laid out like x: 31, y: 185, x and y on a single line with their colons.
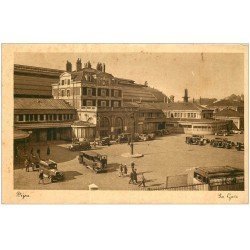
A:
x: 69, y: 66
x: 103, y: 67
x: 78, y: 64
x: 185, y: 97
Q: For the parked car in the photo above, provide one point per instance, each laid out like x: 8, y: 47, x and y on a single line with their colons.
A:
x: 220, y: 177
x: 229, y: 144
x: 222, y: 133
x: 93, y: 161
x: 124, y: 138
x: 235, y: 131
x: 218, y: 142
x: 239, y: 146
x: 105, y: 141
x: 197, y: 140
x: 162, y: 132
x: 145, y: 137
x: 76, y: 146
x: 50, y: 170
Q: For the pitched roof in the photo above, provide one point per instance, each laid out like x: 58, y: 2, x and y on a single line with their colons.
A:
x: 229, y: 113
x: 80, y: 75
x: 180, y: 106
x: 41, y: 103
x: 227, y: 103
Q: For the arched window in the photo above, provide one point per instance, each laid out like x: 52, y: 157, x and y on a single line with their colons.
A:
x: 118, y: 122
x: 104, y: 122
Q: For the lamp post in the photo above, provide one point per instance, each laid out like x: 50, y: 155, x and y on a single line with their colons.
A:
x: 133, y: 134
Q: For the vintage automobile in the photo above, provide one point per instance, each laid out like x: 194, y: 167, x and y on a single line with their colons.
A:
x: 235, y: 131
x: 124, y: 138
x: 197, y: 140
x: 161, y: 132
x: 93, y: 161
x: 218, y: 142
x: 145, y: 137
x: 82, y: 145
x: 50, y: 170
x: 220, y: 177
x: 222, y: 133
x: 239, y: 146
x: 105, y: 141
x: 229, y: 144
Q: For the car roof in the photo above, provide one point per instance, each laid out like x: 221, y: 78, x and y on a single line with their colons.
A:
x: 214, y: 171
x: 91, y: 153
x: 47, y: 162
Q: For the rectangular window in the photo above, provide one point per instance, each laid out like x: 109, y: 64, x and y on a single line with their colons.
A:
x: 35, y: 118
x: 116, y: 93
x: 175, y: 114
x: 20, y: 118
x: 41, y: 117
x: 54, y: 117
x: 71, y: 117
x: 194, y: 115
x: 89, y: 103
x: 68, y: 92
x: 188, y: 115
x: 116, y: 104
x: 103, y: 92
x: 68, y: 81
x: 103, y: 103
x: 191, y: 114
x: 31, y: 118
x: 60, y: 117
x: 89, y: 92
x: 62, y: 92
x: 67, y: 116
x: 62, y: 82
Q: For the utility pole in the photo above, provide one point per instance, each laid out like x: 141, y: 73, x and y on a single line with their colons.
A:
x: 132, y: 136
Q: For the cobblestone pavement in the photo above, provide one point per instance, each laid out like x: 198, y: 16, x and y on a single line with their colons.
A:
x: 165, y: 156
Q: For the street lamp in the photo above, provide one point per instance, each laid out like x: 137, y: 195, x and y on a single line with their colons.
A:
x: 133, y: 134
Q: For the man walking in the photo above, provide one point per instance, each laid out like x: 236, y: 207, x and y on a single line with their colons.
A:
x: 125, y: 170
x: 48, y: 151
x: 120, y: 170
x: 135, y: 176
x: 38, y: 153
x: 26, y: 164
x: 131, y: 176
x: 143, y: 181
x: 41, y: 177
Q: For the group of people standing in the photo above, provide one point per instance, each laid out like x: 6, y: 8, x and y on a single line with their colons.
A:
x: 123, y: 171
x: 33, y: 158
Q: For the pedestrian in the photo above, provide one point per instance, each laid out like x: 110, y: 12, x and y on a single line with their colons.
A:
x: 120, y: 170
x: 94, y: 143
x: 131, y: 176
x: 26, y: 164
x: 41, y: 177
x: 143, y: 181
x: 135, y: 177
x: 125, y: 170
x: 48, y: 151
x: 38, y: 152
x: 31, y: 151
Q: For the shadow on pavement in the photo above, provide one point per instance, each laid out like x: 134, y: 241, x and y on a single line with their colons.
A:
x: 70, y: 175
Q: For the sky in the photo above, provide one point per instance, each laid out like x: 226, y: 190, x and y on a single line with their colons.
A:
x: 207, y: 75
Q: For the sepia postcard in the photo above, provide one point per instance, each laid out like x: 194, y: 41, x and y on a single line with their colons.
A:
x: 125, y: 124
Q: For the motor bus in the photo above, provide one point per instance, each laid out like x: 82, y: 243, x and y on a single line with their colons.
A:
x: 93, y: 161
